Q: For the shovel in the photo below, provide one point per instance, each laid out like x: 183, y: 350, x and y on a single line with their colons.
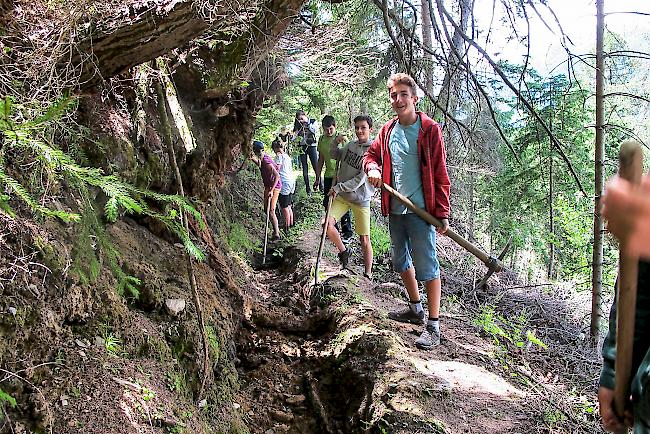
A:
x: 266, y: 229
x: 630, y: 159
x: 493, y: 264
x: 325, y: 224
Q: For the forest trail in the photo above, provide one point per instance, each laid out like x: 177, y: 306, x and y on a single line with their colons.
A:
x: 288, y: 357
x: 340, y: 365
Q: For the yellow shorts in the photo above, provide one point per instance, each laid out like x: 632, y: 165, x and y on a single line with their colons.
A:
x: 361, y: 214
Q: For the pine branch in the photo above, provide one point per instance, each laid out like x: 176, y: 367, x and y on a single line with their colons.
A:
x: 556, y: 143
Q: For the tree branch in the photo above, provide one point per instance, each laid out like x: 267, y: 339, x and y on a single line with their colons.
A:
x: 627, y: 95
x: 556, y: 143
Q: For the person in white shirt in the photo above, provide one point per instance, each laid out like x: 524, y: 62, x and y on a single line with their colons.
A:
x: 288, y: 183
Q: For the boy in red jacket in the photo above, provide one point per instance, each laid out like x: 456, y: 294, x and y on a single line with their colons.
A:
x: 409, y: 155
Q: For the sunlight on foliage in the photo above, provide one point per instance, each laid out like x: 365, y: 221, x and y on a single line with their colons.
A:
x: 240, y: 241
x: 502, y: 329
x: 112, y: 345
x: 379, y: 237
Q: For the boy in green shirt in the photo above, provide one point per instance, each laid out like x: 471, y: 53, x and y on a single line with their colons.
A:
x: 325, y: 160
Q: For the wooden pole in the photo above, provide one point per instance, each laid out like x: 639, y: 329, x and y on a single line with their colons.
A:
x: 630, y: 169
x: 266, y: 229
x: 167, y: 138
x: 599, y: 170
x: 491, y: 262
x: 325, y: 224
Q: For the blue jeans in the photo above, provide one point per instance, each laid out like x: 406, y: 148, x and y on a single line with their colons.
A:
x: 312, y: 153
x: 410, y: 235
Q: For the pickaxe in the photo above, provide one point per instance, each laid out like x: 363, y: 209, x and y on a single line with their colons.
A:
x: 630, y: 158
x: 493, y: 264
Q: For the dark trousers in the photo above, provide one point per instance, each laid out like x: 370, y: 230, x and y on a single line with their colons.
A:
x: 312, y: 153
x: 346, y: 222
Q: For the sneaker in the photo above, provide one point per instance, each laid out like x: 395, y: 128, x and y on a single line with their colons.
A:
x: 344, y: 256
x: 407, y: 315
x: 347, y: 238
x: 367, y: 276
x: 428, y: 339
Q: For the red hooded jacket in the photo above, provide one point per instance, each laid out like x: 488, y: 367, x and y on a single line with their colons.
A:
x: 433, y: 166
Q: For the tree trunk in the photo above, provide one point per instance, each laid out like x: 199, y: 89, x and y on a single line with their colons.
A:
x: 140, y: 32
x: 597, y: 272
x: 427, y: 27
x: 448, y: 96
x: 363, y: 105
x: 551, y: 223
x: 470, y: 229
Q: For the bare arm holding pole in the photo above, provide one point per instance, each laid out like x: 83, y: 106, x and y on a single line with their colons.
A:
x: 614, y: 404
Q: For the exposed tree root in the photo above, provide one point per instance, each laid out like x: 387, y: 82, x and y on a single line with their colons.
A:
x: 319, y: 408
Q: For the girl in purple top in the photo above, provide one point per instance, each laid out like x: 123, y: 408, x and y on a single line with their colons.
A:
x: 272, y: 183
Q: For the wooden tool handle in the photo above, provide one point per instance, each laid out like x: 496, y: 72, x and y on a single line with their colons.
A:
x: 325, y: 223
x: 492, y: 263
x: 630, y: 168
x: 266, y: 228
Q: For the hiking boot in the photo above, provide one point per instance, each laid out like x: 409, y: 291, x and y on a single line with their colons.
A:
x: 428, y: 339
x: 344, y: 256
x: 407, y: 315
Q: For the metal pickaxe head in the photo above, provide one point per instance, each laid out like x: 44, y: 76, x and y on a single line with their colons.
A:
x: 494, y: 264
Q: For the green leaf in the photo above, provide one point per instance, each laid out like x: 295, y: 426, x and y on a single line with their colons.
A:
x: 532, y: 338
x: 22, y: 194
x: 5, y: 107
x: 5, y: 397
x: 53, y: 112
x: 111, y: 209
x: 4, y: 206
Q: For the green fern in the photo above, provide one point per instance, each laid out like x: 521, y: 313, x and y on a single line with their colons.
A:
x: 23, y: 131
x: 4, y: 205
x: 172, y: 222
x: 111, y: 209
x: 126, y: 283
x: 21, y: 193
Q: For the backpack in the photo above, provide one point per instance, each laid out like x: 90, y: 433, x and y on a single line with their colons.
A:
x: 308, y: 134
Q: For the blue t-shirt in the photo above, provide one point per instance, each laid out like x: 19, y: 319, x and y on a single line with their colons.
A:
x: 403, y: 147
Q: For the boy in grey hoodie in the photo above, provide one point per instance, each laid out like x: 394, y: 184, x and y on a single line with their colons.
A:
x: 352, y: 191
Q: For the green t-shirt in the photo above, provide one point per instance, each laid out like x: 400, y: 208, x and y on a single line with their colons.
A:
x: 329, y: 165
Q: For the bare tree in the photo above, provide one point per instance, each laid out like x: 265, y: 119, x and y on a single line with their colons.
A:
x: 597, y: 271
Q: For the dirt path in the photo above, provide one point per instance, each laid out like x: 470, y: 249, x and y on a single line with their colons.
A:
x: 331, y: 361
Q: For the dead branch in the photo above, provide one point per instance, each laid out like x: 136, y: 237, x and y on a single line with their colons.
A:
x: 319, y: 408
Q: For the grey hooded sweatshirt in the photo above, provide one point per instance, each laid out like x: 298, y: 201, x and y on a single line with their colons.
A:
x: 352, y: 183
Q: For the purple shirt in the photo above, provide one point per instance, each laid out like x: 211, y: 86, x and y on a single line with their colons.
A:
x: 267, y: 172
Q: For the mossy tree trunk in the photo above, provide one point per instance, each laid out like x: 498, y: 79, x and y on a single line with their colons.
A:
x: 140, y: 31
